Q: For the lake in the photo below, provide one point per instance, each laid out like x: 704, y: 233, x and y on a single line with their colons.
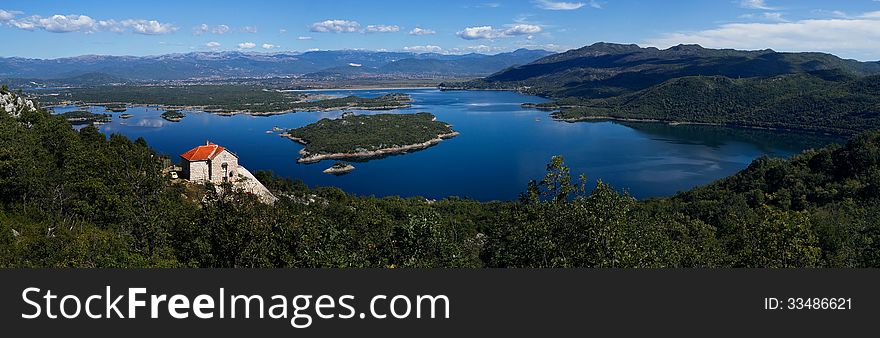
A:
x: 501, y: 147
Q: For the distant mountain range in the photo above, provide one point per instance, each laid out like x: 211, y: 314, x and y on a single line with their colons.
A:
x: 224, y: 65
x: 608, y: 69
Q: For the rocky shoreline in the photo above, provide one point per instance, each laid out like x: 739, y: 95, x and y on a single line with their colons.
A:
x: 623, y: 119
x: 339, y: 169
x: 306, y: 157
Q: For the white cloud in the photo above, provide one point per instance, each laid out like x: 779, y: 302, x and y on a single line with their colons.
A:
x: 756, y: 4
x: 212, y: 44
x: 487, y: 32
x: 83, y: 23
x: 6, y: 15
x: 220, y: 29
x: 57, y: 23
x: 856, y: 38
x: 268, y: 46
x: 479, y: 32
x: 335, y: 26
x: 773, y: 16
x: 148, y: 27
x: 204, y: 28
x: 767, y: 16
x: 424, y: 49
x: 247, y: 45
x: 248, y: 29
x: 303, y: 37
x: 200, y: 29
x: 111, y: 26
x: 421, y: 31
x: 282, y: 31
x: 522, y: 29
x: 559, y: 5
x: 381, y: 29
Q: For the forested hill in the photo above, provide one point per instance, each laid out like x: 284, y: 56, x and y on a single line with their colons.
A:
x: 80, y: 199
x: 823, y: 101
x: 607, y: 69
x: 691, y: 84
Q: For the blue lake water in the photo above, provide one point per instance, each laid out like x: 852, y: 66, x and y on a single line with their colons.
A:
x: 501, y: 147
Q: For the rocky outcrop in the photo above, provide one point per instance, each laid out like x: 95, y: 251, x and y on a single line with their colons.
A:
x: 248, y: 183
x: 339, y: 169
x: 307, y: 157
x: 14, y: 105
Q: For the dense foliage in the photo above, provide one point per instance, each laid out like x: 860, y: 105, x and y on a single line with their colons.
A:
x: 826, y: 102
x: 387, y: 101
x: 173, y: 115
x: 85, y: 117
x: 361, y: 133
x: 116, y: 107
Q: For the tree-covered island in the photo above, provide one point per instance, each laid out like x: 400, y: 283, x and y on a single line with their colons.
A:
x: 78, y: 117
x: 173, y: 115
x: 369, y: 136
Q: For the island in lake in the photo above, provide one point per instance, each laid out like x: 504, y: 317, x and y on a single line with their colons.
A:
x: 116, y: 107
x: 339, y: 168
x: 368, y: 136
x: 173, y: 115
x: 78, y: 117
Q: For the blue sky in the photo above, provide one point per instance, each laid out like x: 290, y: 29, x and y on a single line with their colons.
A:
x: 51, y: 29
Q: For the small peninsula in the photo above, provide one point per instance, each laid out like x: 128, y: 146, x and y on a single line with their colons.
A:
x: 368, y: 136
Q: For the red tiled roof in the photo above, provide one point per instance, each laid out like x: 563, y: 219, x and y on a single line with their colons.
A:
x: 203, y: 153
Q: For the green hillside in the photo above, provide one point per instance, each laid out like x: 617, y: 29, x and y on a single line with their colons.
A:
x: 827, y: 101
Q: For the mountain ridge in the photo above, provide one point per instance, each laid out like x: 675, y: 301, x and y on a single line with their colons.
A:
x: 234, y: 64
x: 607, y: 69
